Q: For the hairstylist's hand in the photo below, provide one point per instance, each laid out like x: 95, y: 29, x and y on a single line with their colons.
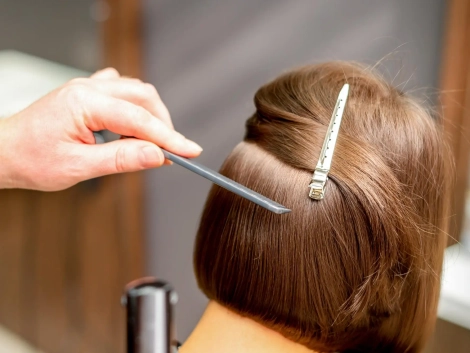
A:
x: 50, y: 145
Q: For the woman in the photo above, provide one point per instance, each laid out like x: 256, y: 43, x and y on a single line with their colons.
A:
x: 355, y: 272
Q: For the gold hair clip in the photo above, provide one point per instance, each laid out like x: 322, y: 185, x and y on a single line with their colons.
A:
x: 320, y: 176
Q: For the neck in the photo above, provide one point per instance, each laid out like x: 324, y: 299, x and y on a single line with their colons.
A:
x: 223, y: 331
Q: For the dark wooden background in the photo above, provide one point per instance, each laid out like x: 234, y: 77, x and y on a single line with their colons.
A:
x: 455, y: 102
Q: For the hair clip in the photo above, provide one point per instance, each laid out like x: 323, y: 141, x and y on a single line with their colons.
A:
x: 320, y: 176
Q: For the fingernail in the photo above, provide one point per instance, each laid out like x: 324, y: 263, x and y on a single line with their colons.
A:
x: 193, y: 145
x: 151, y: 156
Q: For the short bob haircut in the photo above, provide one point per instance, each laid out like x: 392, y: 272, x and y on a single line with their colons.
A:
x: 358, y: 271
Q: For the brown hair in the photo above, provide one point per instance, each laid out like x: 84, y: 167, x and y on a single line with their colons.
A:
x: 359, y: 270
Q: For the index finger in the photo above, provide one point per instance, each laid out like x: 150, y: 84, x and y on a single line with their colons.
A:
x: 137, y: 92
x: 103, y: 112
x: 107, y: 73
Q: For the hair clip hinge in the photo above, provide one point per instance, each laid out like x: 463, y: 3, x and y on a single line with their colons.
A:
x: 317, y: 185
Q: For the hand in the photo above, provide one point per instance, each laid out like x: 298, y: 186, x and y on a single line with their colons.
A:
x: 50, y: 145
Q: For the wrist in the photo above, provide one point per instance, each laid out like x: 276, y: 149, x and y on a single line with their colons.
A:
x: 6, y: 172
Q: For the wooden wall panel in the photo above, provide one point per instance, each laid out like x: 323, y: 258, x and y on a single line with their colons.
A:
x: 52, y: 215
x: 64, y: 259
x: 122, y: 37
x: 12, y: 243
x: 449, y: 338
x: 455, y: 101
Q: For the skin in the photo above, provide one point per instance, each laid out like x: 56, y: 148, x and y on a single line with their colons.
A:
x: 49, y: 146
x: 222, y: 331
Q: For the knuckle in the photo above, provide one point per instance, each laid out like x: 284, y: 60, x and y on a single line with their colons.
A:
x: 142, y: 114
x: 111, y: 70
x: 141, y: 117
x: 78, y: 81
x: 150, y: 90
x: 120, y: 160
x: 74, y: 92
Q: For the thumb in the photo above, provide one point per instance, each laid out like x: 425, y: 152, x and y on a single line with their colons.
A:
x: 127, y: 155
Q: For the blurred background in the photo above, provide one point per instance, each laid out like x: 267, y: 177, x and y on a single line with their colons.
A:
x: 65, y: 256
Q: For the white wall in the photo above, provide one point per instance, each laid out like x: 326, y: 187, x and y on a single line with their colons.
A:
x: 208, y: 57
x: 57, y: 30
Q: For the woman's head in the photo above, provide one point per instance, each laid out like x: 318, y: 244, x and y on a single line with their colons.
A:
x: 358, y: 270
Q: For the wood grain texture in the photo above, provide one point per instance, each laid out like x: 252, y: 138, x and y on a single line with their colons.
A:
x: 64, y: 261
x: 449, y: 338
x: 12, y: 245
x: 455, y: 101
x: 122, y: 37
